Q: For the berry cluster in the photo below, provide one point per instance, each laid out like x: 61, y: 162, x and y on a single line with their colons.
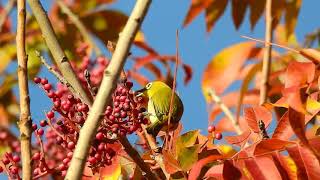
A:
x: 58, y: 133
x: 212, y: 129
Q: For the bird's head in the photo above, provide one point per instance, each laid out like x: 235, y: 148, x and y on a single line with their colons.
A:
x: 151, y: 88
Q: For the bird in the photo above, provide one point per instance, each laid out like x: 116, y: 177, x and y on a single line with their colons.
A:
x: 158, y: 107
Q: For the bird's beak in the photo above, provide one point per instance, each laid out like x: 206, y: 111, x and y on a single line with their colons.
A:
x: 140, y: 92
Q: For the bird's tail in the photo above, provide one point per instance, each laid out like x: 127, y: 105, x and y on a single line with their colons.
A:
x: 154, y: 128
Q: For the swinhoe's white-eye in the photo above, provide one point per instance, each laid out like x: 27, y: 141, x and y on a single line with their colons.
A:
x: 159, y: 97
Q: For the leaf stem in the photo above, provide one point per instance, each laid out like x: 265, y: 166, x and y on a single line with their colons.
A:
x: 25, y: 115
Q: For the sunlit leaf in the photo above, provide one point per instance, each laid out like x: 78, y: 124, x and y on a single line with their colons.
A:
x: 171, y: 164
x: 269, y: 145
x: 223, y: 69
x: 195, y: 9
x: 291, y: 15
x: 214, y: 11
x: 186, y: 140
x: 283, y: 129
x: 7, y: 53
x: 239, y: 139
x: 197, y: 167
x: 187, y: 156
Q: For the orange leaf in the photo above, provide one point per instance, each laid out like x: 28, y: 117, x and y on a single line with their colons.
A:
x: 299, y: 73
x: 239, y: 8
x: 270, y: 145
x: 225, y: 67
x: 214, y: 12
x: 311, y: 54
x: 142, y: 80
x: 195, y: 9
x: 296, y: 120
x: 291, y: 15
x: 256, y: 113
x: 171, y: 164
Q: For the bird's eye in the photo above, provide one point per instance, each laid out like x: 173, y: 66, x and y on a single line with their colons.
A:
x: 148, y: 86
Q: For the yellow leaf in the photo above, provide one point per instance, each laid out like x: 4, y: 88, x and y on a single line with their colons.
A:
x: 7, y: 53
x: 115, y: 175
x: 226, y: 150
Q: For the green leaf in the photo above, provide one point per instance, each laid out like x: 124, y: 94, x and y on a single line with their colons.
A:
x: 188, y: 156
x: 186, y: 140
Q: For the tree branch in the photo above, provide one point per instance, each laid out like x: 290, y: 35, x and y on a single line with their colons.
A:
x: 108, y: 84
x: 267, y: 54
x: 82, y: 29
x: 6, y: 11
x: 56, y: 50
x: 25, y: 117
x: 226, y: 110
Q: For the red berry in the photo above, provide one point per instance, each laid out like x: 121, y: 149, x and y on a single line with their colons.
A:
x: 14, y: 170
x: 99, y: 136
x: 97, y: 156
x: 62, y: 167
x: 34, y: 127
x: 71, y: 145
x: 101, y: 146
x: 36, y: 156
x: 47, y: 87
x: 92, y: 160
x: 40, y: 132
x: 59, y: 140
x: 63, y: 173
x: 36, y: 171
x: 129, y: 84
x: 44, y: 81
x: 218, y: 136
x: 123, y: 114
x: 5, y: 161
x: 3, y: 135
x: 16, y: 158
x: 50, y: 114
x: 37, y: 80
x: 51, y: 94
x: 211, y: 129
x: 57, y: 103
x: 70, y: 154
x: 66, y: 161
x: 43, y: 123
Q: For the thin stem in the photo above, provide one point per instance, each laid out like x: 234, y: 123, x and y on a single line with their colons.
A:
x: 59, y: 56
x: 82, y: 29
x: 267, y: 55
x: 25, y: 116
x: 136, y: 157
x: 104, y: 96
x: 226, y: 111
x: 5, y: 13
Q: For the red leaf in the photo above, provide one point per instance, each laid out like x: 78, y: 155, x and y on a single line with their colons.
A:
x: 238, y: 140
x: 270, y: 145
x: 256, y: 10
x: 216, y: 171
x: 197, y: 167
x: 306, y: 162
x: 256, y: 113
x: 142, y: 61
x: 262, y: 167
x: 188, y: 73
x: 282, y: 166
x: 283, y: 130
x: 230, y: 171
x: 145, y: 47
x: 138, y: 77
x: 296, y: 120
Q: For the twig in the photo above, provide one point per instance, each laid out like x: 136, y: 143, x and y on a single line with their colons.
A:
x: 263, y: 131
x: 25, y: 115
x: 60, y: 78
x: 136, y: 157
x: 226, y: 110
x: 82, y: 29
x: 56, y: 50
x: 267, y: 54
x: 6, y: 11
x: 88, y: 81
x: 108, y: 84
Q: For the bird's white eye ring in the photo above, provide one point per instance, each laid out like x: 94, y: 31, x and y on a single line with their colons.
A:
x: 148, y: 86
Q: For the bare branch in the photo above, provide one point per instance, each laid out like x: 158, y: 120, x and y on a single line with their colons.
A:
x: 108, y: 84
x: 267, y: 55
x: 25, y: 115
x: 60, y: 58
